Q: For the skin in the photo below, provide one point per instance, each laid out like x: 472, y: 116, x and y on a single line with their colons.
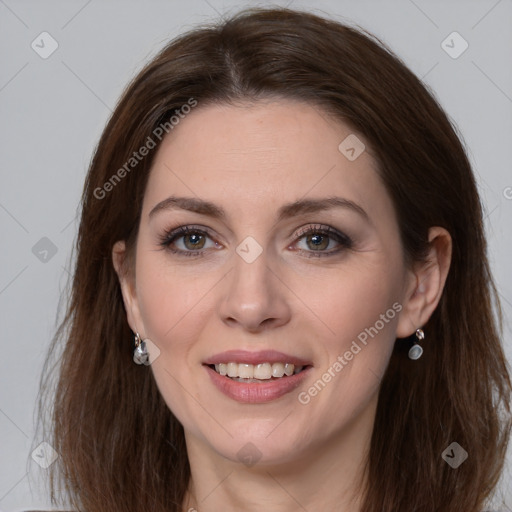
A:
x: 250, y: 159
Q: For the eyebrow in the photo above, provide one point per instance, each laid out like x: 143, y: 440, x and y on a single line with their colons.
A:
x: 286, y: 211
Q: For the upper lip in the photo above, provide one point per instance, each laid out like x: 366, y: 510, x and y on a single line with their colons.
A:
x: 262, y: 356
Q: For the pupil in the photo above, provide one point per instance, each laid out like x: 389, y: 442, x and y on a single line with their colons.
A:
x: 318, y: 241
x: 193, y: 240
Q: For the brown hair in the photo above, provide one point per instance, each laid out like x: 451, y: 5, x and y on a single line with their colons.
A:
x: 120, y: 446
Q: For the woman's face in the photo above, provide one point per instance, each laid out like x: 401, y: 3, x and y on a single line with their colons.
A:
x: 291, y: 255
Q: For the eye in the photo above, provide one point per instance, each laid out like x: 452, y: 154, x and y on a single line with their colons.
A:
x: 318, y: 239
x: 188, y: 241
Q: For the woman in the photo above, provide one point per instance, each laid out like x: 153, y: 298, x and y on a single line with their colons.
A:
x: 281, y: 298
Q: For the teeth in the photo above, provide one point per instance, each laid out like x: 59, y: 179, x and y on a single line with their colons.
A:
x: 232, y: 369
x: 245, y: 371
x: 262, y: 371
x: 288, y: 369
x: 277, y: 370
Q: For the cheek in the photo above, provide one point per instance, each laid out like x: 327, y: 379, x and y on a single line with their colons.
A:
x: 170, y: 299
x: 350, y: 302
x: 359, y: 312
x: 174, y: 312
x: 363, y: 313
x: 173, y: 324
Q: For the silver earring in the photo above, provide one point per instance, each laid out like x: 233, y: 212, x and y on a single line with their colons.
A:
x: 140, y: 354
x: 416, y: 351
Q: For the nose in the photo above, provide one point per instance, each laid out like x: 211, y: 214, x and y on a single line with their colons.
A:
x: 256, y: 298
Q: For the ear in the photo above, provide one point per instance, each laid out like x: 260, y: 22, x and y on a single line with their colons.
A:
x: 126, y: 278
x: 425, y: 283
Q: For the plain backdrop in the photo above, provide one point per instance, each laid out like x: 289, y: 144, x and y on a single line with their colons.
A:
x: 53, y: 109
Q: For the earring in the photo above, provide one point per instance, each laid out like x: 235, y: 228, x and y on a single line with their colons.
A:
x: 140, y: 354
x: 416, y: 351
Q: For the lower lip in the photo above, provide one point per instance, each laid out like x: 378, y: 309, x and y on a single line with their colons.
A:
x: 255, y: 393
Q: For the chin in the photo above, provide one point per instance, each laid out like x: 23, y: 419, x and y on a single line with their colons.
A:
x: 258, y: 442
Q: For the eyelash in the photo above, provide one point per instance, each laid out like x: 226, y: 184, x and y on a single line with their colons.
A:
x: 169, y: 237
x: 345, y: 241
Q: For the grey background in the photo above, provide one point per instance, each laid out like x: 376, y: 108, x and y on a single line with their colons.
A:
x: 52, y: 112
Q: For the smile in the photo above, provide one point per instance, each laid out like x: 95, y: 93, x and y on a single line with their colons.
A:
x: 255, y: 390
x: 244, y: 372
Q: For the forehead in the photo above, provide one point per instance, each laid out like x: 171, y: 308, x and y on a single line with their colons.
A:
x: 256, y: 156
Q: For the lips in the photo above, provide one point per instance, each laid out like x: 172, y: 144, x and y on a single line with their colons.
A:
x: 254, y: 358
x: 256, y: 393
x: 250, y: 390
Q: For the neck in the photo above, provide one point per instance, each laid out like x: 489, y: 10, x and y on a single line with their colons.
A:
x: 335, y: 467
